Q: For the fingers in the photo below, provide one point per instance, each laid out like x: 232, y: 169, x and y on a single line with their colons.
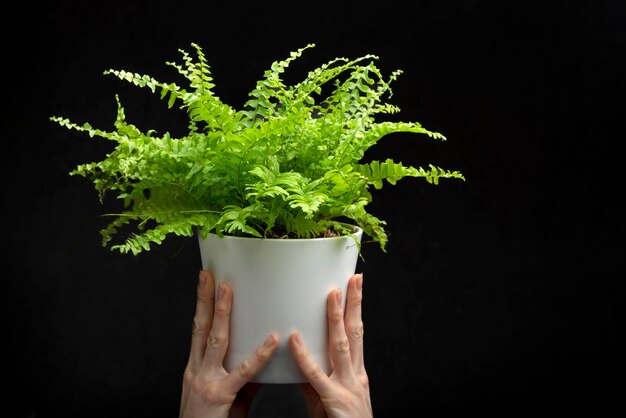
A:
x: 309, y: 367
x: 339, y: 345
x: 202, y: 320
x: 205, y: 381
x: 217, y: 342
x: 354, y: 322
x: 249, y: 368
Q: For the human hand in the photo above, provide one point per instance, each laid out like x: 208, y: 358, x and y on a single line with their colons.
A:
x: 345, y: 392
x: 209, y: 391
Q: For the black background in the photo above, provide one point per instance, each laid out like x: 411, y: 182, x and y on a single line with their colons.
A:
x: 499, y: 295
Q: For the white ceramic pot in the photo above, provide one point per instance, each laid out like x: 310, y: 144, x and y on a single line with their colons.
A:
x: 279, y: 285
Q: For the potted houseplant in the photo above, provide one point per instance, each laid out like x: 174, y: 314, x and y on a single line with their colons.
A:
x: 285, y: 171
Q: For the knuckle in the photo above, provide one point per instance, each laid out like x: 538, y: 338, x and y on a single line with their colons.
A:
x: 188, y: 376
x: 244, y: 369
x: 364, y: 379
x: 200, y: 326
x: 216, y: 341
x: 200, y: 385
x: 221, y: 310
x: 357, y: 332
x: 261, y: 356
x: 343, y: 345
x: 210, y: 392
x: 336, y: 316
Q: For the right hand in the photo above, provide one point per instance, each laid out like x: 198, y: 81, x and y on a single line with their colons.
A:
x: 345, y: 392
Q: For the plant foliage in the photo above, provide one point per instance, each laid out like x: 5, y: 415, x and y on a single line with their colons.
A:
x: 289, y: 164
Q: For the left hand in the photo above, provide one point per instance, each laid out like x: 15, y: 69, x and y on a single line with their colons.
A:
x: 209, y: 391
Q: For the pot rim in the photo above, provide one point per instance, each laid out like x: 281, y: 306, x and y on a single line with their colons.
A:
x: 357, y: 230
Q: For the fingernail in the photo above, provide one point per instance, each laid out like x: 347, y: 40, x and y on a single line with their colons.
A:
x: 297, y: 338
x: 270, y: 341
x: 359, y: 281
x: 338, y: 296
x: 202, y: 279
x: 220, y: 291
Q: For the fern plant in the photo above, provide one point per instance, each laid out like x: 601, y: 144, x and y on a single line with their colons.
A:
x: 289, y: 164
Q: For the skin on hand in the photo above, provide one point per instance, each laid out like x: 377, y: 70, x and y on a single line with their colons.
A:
x: 209, y: 391
x: 345, y: 392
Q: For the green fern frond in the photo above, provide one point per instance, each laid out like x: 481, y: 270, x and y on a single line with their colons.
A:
x: 392, y: 172
x: 86, y: 127
x: 375, y: 172
x: 270, y: 90
x: 235, y: 219
x: 289, y: 163
x: 435, y: 173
